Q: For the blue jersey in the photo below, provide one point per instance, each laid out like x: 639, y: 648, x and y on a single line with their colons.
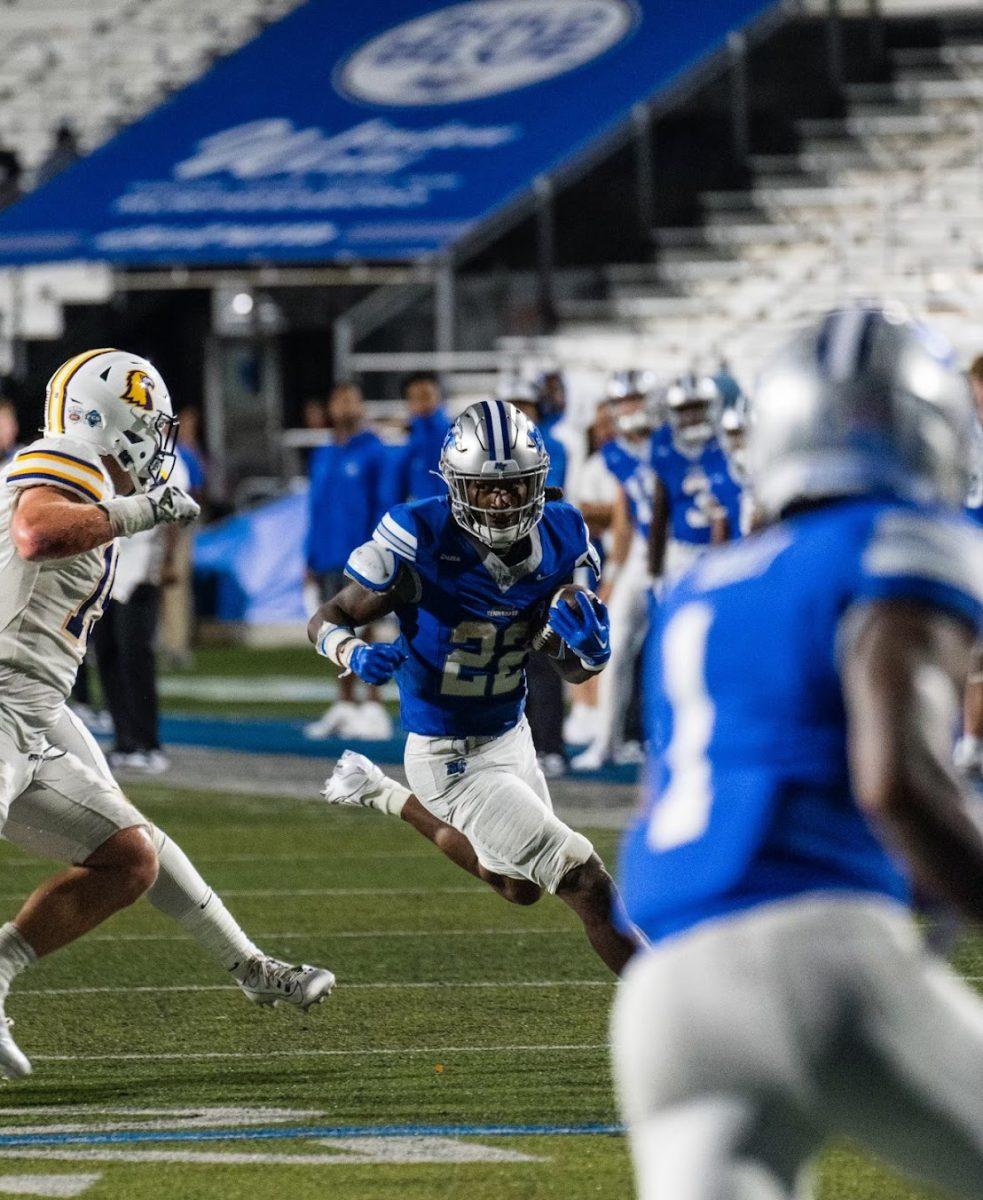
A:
x: 346, y: 498
x: 749, y: 796
x: 422, y: 454
x: 468, y: 628
x: 695, y: 487
x: 637, y: 482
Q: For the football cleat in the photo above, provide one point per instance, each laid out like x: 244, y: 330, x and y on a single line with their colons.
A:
x: 332, y: 723
x: 14, y: 1063
x: 355, y: 781
x: 270, y: 981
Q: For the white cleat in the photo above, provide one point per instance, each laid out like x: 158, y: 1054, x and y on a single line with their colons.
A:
x: 270, y: 981
x: 369, y: 723
x: 14, y: 1063
x: 592, y: 759
x: 333, y: 722
x: 355, y: 781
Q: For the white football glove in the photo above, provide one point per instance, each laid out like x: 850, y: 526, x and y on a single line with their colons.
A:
x: 164, y: 505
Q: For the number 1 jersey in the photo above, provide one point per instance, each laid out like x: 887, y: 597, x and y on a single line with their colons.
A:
x: 467, y: 631
x: 749, y: 796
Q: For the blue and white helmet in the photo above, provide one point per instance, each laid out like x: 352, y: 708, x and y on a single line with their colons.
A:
x: 692, y: 404
x: 495, y: 464
x: 864, y: 401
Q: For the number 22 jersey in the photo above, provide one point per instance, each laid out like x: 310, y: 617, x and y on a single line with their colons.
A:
x: 467, y: 629
x: 749, y: 796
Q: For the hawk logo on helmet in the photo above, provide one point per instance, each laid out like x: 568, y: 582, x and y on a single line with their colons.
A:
x: 139, y: 390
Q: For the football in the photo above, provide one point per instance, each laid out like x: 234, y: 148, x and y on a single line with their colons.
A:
x: 546, y: 639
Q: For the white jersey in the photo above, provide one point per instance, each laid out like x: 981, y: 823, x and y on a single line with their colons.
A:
x: 47, y: 608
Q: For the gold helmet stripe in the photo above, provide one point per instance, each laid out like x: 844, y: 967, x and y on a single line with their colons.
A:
x: 54, y: 406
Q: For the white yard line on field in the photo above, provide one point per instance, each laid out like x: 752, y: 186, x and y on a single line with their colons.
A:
x: 315, y: 1052
x: 274, y: 893
x: 496, y: 931
x: 231, y: 987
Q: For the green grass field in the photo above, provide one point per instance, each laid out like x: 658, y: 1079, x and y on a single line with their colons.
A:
x: 452, y: 1008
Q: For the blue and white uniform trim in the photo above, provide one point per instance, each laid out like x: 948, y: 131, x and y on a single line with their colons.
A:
x: 395, y: 538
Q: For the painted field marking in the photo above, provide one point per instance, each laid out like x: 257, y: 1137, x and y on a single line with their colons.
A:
x: 47, y: 1185
x: 377, y: 1151
x: 427, y: 985
x: 275, y: 893
x: 495, y: 931
x: 314, y: 1052
x: 162, y: 1118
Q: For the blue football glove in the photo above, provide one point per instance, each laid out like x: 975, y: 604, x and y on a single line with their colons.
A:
x: 377, y: 662
x: 585, y: 629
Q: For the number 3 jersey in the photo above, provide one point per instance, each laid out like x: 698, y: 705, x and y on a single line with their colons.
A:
x: 468, y: 626
x: 47, y: 608
x: 749, y: 796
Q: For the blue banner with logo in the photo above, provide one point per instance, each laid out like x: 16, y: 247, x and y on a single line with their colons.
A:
x: 378, y: 131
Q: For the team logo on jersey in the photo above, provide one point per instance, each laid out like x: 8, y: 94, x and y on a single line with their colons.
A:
x: 483, y: 48
x: 93, y: 418
x: 74, y: 414
x: 139, y: 389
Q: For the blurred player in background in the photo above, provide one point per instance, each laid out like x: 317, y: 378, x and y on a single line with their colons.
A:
x: 626, y: 580
x: 595, y: 491
x: 96, y: 475
x: 347, y: 497
x: 969, y: 751
x: 544, y: 701
x: 473, y: 577
x: 803, y: 692
x: 694, y: 488
x: 9, y: 432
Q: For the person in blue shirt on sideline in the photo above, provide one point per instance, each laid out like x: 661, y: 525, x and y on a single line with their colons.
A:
x: 347, y: 496
x: 969, y: 749
x: 476, y: 578
x: 428, y: 427
x: 802, y: 694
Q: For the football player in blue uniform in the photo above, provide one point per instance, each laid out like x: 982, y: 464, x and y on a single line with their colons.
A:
x: 694, y: 490
x: 626, y: 577
x: 473, y: 578
x: 969, y: 749
x: 802, y: 696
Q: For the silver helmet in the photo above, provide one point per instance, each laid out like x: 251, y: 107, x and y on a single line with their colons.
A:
x: 692, y: 405
x: 495, y: 464
x: 865, y: 401
x: 732, y: 435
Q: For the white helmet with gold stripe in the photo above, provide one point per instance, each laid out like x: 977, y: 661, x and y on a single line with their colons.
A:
x: 117, y: 403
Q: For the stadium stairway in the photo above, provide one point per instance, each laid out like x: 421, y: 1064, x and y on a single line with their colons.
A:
x: 882, y: 203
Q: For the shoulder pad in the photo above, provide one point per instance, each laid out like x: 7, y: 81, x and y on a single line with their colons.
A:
x: 59, y: 462
x: 373, y: 566
x: 945, y: 551
x: 397, y: 532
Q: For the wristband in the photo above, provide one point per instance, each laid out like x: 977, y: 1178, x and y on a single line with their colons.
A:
x: 336, y: 643
x: 129, y: 514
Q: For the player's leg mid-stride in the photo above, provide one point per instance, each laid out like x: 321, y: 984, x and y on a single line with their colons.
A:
x: 582, y: 882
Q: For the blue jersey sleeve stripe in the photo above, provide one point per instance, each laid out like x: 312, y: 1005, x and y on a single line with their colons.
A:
x: 397, y: 531
x: 384, y: 538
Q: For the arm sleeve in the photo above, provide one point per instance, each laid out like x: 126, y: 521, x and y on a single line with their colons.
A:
x: 935, y: 560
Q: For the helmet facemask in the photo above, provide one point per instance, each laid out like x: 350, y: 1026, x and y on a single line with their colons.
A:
x: 495, y: 464
x: 477, y: 504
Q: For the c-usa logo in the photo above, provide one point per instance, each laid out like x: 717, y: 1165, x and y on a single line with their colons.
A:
x: 483, y: 48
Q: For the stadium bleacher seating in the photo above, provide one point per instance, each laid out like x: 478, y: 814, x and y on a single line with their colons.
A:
x: 101, y: 64
x: 882, y: 202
